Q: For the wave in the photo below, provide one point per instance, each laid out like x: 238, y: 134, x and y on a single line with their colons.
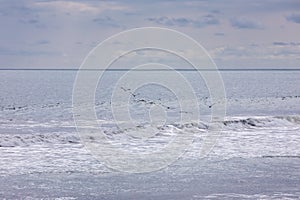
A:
x: 280, y: 156
x: 13, y: 140
x: 263, y: 121
x: 235, y: 124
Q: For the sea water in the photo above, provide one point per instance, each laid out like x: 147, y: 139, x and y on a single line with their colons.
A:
x: 256, y: 155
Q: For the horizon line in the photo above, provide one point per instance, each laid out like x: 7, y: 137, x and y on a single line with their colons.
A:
x: 128, y: 69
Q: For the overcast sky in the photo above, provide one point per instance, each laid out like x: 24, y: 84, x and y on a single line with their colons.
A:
x: 236, y: 33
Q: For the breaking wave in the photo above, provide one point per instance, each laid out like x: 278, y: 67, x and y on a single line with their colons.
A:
x: 236, y: 124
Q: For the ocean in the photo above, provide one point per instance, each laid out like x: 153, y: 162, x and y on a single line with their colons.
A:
x: 256, y: 154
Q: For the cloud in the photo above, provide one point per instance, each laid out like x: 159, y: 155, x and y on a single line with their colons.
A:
x: 244, y: 23
x: 72, y: 6
x: 33, y: 22
x: 170, y: 21
x: 281, y: 50
x: 106, y: 21
x: 208, y: 20
x: 205, y: 20
x: 12, y: 52
x: 29, y: 21
x: 286, y: 43
x: 280, y: 43
x: 67, y: 6
x: 294, y: 18
x: 219, y: 34
x: 42, y: 42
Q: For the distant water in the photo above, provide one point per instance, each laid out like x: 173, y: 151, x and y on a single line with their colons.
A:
x: 38, y: 133
x: 263, y: 92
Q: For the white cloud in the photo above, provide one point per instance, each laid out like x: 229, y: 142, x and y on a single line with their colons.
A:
x: 200, y: 22
x: 265, y: 51
x: 71, y: 6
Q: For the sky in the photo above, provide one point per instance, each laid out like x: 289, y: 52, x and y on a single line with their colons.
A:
x: 236, y: 33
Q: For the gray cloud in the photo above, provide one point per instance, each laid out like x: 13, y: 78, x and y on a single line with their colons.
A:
x: 42, y: 42
x: 286, y: 43
x: 205, y: 20
x: 33, y: 21
x: 243, y: 23
x: 287, y: 53
x: 170, y: 21
x: 294, y: 18
x: 12, y: 52
x: 219, y: 34
x: 280, y: 43
x: 106, y: 21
